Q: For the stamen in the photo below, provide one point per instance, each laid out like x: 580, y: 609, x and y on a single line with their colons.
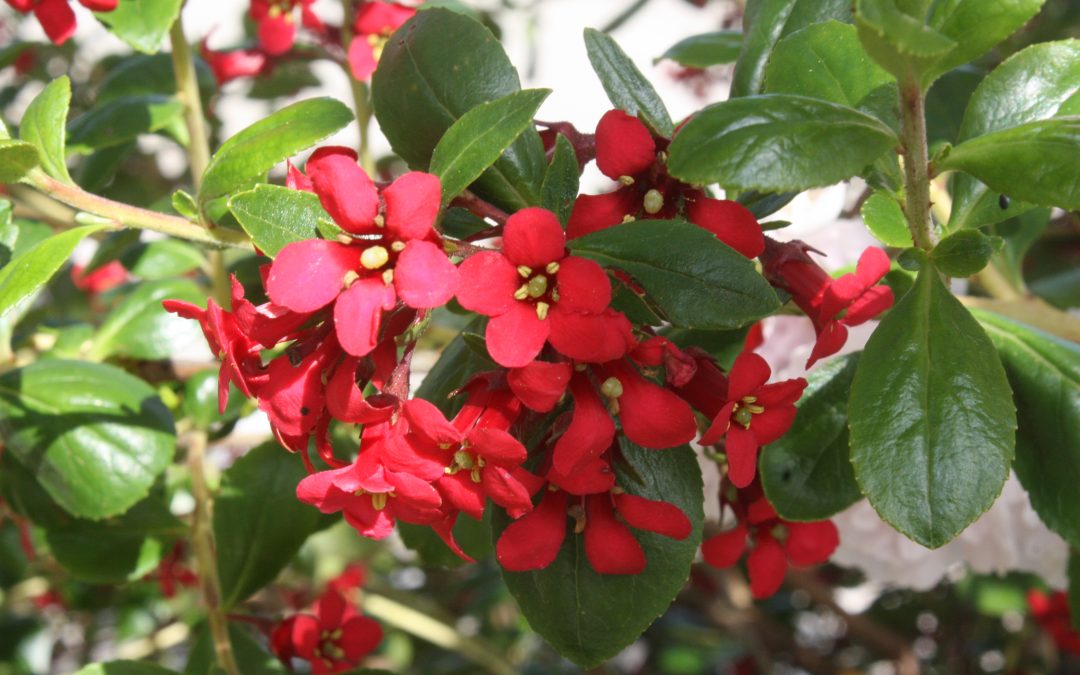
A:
x: 374, y: 257
x: 397, y: 246
x: 542, y: 310
x: 524, y: 271
x: 552, y: 268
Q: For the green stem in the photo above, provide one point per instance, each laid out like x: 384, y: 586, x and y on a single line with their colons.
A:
x: 916, y: 164
x: 360, y: 93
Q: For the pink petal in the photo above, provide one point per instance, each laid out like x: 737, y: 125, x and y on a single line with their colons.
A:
x: 460, y: 492
x: 424, y: 277
x: 428, y: 421
x: 533, y: 237
x: 358, y: 314
x: 412, y: 204
x: 486, y: 283
x: 308, y: 275
x: 361, y: 57
x: 277, y: 34
x: 381, y: 18
x: 345, y: 190
x: 515, y: 338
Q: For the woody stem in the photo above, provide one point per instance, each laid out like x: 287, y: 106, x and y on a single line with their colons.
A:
x: 916, y: 163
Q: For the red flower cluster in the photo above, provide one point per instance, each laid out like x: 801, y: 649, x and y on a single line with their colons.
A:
x: 333, y: 639
x: 275, y: 23
x: 1051, y: 612
x: 56, y: 16
x: 773, y: 543
x: 375, y: 23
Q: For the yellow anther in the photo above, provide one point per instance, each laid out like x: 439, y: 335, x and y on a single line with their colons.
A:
x: 537, y: 286
x: 335, y: 651
x: 552, y: 268
x: 397, y: 246
x: 555, y: 295
x: 749, y: 399
x: 350, y: 278
x: 580, y: 367
x: 524, y: 271
x: 380, y: 221
x: 626, y: 180
x: 337, y: 632
x: 522, y: 293
x: 388, y: 277
x: 628, y: 219
x: 611, y: 388
x: 474, y: 475
x: 755, y: 409
x: 542, y: 310
x: 378, y: 501
x: 374, y: 257
x: 653, y: 202
x: 344, y: 238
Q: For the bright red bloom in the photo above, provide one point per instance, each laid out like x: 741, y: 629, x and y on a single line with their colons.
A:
x: 335, y: 639
x: 108, y: 276
x: 1051, y: 612
x: 535, y: 293
x: 754, y: 415
x: 375, y: 23
x: 234, y: 64
x: 56, y: 16
x: 832, y: 304
x: 276, y: 25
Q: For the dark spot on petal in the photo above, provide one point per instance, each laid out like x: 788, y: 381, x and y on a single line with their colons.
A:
x: 305, y: 410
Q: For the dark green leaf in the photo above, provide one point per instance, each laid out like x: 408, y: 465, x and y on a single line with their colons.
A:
x: 251, y: 658
x: 478, y: 138
x: 696, y: 279
x: 140, y: 327
x: 143, y: 24
x: 931, y: 416
x: 777, y: 143
x: 1048, y: 74
x: 274, y: 216
x: 962, y: 253
x: 976, y: 26
x: 33, y: 269
x: 434, y: 69
x: 561, y: 182
x: 806, y: 474
x: 1020, y: 233
x: 259, y: 524
x: 626, y: 87
x: 122, y: 120
x: 945, y: 103
x: 455, y: 366
x: 142, y: 74
x: 285, y: 79
x: 885, y: 220
x: 251, y: 153
x: 16, y: 160
x: 1074, y: 588
x: 1045, y: 376
x: 707, y: 49
x: 95, y: 436
x: 473, y: 536
x: 589, y: 617
x: 44, y: 123
x: 124, y: 667
x: 1034, y: 162
x: 763, y: 204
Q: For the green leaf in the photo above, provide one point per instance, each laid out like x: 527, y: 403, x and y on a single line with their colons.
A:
x: 275, y: 216
x: 562, y: 180
x: 16, y: 160
x: 1074, y: 588
x: 124, y: 667
x: 1049, y: 76
x: 777, y: 143
x: 1019, y: 233
x: 141, y: 75
x: 900, y: 41
x: 1034, y: 162
x: 696, y: 279
x: 962, y: 253
x: 1045, y: 376
x: 473, y: 536
x: 707, y: 49
x: 31, y: 270
x: 826, y: 61
x: 438, y: 66
x: 626, y: 87
x: 251, y: 153
x: 931, y: 416
x: 478, y: 138
x: 456, y: 364
x: 589, y: 617
x: 946, y: 101
x: 184, y: 204
x: 162, y: 258
x: 765, y: 22
x: 143, y: 24
x: 251, y: 658
x: 259, y: 525
x: 122, y: 120
x: 885, y: 220
x: 95, y: 436
x: 976, y: 26
x: 806, y: 474
x: 44, y: 123
x: 140, y: 327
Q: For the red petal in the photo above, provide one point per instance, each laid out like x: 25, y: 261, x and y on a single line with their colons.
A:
x: 720, y: 425
x: 609, y: 545
x: 760, y: 511
x: 590, y: 432
x: 460, y: 492
x: 532, y: 542
x: 830, y: 339
x: 428, y: 421
x: 295, y: 179
x: 540, y: 385
x: 770, y: 425
x: 515, y: 338
x: 360, y: 636
x: 533, y: 237
x: 497, y: 447
x: 304, y: 635
x: 593, y: 213
x: 293, y: 396
x: 56, y: 18
x: 624, y: 147
x: 583, y: 286
x: 277, y: 34
x: 486, y: 283
x: 655, y: 516
x: 345, y: 190
x: 811, y: 543
x: 872, y: 266
x: 725, y: 549
x: 767, y: 566
x: 748, y: 374
x: 731, y: 222
x: 506, y: 491
x: 424, y: 277
x: 381, y: 18
x: 358, y: 314
x: 868, y: 305
x: 412, y: 204
x: 651, y: 416
x: 742, y: 451
x: 308, y: 275
x: 331, y: 609
x: 361, y: 56
x: 99, y: 5
x: 345, y: 400
x: 590, y: 477
x: 592, y: 338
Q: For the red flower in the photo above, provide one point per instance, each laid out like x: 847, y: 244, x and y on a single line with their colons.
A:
x: 172, y: 571
x: 534, y: 293
x: 109, y: 275
x: 375, y: 23
x: 832, y: 304
x: 275, y: 24
x: 56, y: 16
x: 1051, y: 612
x: 230, y: 65
x: 754, y: 415
x: 334, y: 640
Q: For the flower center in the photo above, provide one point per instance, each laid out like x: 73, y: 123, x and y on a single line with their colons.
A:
x: 745, y: 409
x: 466, y: 461
x: 539, y: 288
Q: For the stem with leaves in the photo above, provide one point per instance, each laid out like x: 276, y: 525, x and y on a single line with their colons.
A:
x: 916, y: 163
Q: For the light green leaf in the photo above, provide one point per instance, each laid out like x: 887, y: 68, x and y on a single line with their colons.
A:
x: 44, y: 123
x: 626, y: 87
x: 963, y: 253
x: 885, y: 220
x: 16, y: 160
x: 124, y: 668
x: 275, y: 216
x: 31, y: 270
x: 976, y: 26
x: 143, y: 24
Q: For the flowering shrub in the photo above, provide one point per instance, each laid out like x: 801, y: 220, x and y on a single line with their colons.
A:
x: 602, y: 354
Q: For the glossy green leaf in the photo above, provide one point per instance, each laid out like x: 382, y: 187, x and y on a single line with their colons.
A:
x: 143, y: 24
x: 44, y: 123
x: 251, y: 153
x: 274, y: 216
x: 1033, y: 162
x: 478, y: 138
x: 807, y: 474
x: 124, y: 668
x: 1045, y: 376
x: 976, y: 26
x: 16, y: 160
x: 259, y: 525
x: 777, y: 143
x: 95, y: 436
x: 946, y: 101
x: 931, y: 416
x: 1019, y: 233
x: 589, y: 617
x: 963, y: 253
x: 438, y: 66
x: 626, y: 87
x: 900, y: 40
x: 696, y: 279
x: 122, y: 120
x: 885, y: 220
x: 31, y: 270
x: 707, y: 49
x: 765, y: 23
x: 562, y: 180
x: 1049, y: 76
x: 251, y: 658
x: 139, y: 326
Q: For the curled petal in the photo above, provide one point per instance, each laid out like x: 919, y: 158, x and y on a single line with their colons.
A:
x: 830, y: 339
